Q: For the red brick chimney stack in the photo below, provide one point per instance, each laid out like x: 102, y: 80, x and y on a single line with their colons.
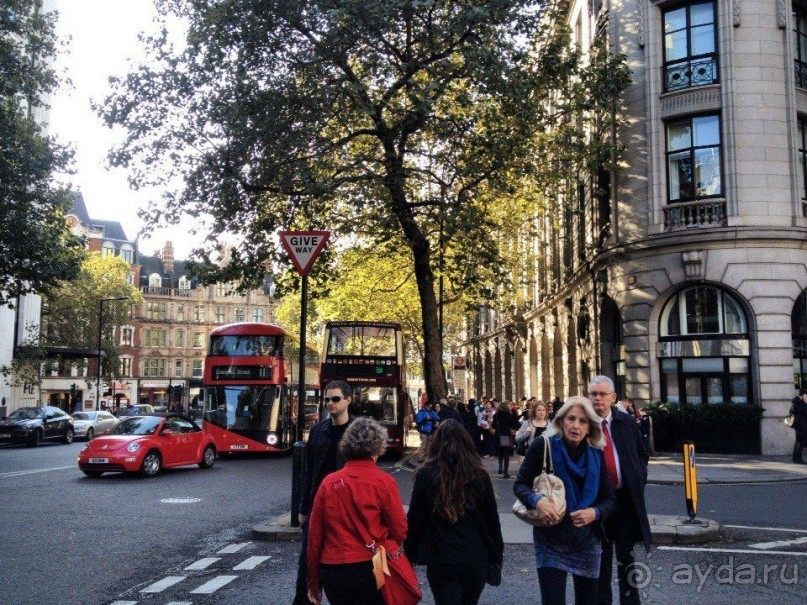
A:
x: 168, y: 257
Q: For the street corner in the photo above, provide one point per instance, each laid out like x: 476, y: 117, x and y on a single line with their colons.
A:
x: 277, y: 529
x: 671, y: 529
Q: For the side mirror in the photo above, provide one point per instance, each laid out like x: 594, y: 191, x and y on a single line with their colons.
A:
x: 166, y: 432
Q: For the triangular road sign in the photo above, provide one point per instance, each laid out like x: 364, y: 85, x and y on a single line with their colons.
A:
x: 303, y: 247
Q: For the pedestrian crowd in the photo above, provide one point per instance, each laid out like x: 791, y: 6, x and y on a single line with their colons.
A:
x: 359, y: 544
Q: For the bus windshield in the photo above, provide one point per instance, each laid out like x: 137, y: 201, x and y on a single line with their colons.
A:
x: 246, y: 346
x: 370, y: 341
x: 249, y: 408
x: 379, y: 403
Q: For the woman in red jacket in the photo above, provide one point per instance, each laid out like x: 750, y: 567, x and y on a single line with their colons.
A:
x: 338, y: 559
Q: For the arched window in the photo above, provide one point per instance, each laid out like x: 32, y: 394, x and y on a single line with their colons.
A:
x: 127, y: 253
x: 108, y: 249
x: 798, y: 322
x: 704, y: 348
x: 155, y: 281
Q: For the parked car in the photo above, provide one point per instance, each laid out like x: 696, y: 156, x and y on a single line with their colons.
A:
x: 33, y: 425
x: 90, y: 424
x: 147, y: 444
x: 136, y: 410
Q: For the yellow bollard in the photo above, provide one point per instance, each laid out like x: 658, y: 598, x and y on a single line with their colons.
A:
x: 690, y: 481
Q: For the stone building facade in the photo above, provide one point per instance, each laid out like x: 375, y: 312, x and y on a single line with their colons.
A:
x: 683, y: 273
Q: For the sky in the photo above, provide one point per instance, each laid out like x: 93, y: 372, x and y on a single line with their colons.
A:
x: 103, y: 39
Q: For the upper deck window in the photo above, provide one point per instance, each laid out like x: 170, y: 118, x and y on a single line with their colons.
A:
x: 246, y: 346
x: 362, y: 341
x: 690, y: 46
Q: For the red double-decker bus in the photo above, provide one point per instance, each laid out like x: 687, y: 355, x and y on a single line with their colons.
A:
x: 247, y: 407
x: 369, y: 356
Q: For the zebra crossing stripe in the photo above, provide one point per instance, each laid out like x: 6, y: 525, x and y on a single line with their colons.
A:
x: 232, y: 548
x: 213, y: 585
x: 202, y: 564
x: 250, y: 563
x: 180, y: 603
x: 163, y: 584
x: 123, y: 603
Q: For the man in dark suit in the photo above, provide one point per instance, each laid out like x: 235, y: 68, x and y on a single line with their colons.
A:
x: 626, y: 465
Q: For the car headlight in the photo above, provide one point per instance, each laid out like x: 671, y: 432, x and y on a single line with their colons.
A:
x: 84, y: 449
x: 133, y: 447
x: 271, y: 439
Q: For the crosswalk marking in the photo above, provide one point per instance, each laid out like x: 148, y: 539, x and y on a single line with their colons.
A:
x: 784, y: 529
x: 202, y: 563
x: 163, y: 584
x: 180, y: 603
x: 778, y: 544
x: 250, y: 563
x: 228, y: 550
x: 123, y: 603
x: 213, y: 585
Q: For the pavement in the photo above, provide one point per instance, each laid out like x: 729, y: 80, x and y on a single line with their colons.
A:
x: 664, y: 469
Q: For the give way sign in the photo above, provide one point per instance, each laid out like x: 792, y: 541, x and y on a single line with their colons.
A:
x: 303, y: 247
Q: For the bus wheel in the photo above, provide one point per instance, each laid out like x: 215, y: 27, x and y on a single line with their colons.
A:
x: 208, y: 457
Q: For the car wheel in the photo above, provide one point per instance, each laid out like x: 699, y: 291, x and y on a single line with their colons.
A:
x: 208, y: 457
x: 68, y: 436
x: 90, y: 434
x: 35, y: 439
x: 93, y: 474
x: 152, y: 464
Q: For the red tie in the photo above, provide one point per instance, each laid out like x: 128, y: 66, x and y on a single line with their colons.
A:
x: 610, y: 461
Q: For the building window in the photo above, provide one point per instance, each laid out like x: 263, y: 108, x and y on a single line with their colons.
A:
x: 180, y: 338
x: 220, y: 315
x: 127, y: 253
x: 197, y: 368
x: 184, y: 283
x: 198, y: 337
x: 704, y: 349
x: 257, y: 315
x: 800, y: 46
x: 198, y: 313
x: 181, y: 313
x: 798, y: 321
x: 157, y: 311
x: 690, y: 44
x: 108, y: 249
x: 238, y: 315
x: 178, y: 368
x: 221, y: 290
x: 802, y: 157
x: 693, y: 158
x: 154, y: 367
x: 130, y: 278
x: 155, y: 281
x: 126, y: 336
x: 125, y: 366
x: 154, y: 338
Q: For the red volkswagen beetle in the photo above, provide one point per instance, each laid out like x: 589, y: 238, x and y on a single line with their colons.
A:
x: 146, y: 445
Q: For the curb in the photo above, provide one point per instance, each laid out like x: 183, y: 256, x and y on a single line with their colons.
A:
x: 277, y: 529
x: 669, y: 529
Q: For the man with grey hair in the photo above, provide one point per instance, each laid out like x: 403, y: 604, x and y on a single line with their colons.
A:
x: 626, y: 466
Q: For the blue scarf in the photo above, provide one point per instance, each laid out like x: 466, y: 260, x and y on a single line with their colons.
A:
x: 582, y: 479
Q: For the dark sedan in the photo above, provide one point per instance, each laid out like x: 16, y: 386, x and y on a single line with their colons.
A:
x: 33, y: 425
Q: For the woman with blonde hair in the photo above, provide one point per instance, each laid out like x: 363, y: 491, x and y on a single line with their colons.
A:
x: 533, y: 427
x: 571, y: 544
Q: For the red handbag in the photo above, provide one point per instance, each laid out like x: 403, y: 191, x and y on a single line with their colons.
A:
x: 400, y: 583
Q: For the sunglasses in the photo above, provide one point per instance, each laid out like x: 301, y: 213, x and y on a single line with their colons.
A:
x: 336, y: 399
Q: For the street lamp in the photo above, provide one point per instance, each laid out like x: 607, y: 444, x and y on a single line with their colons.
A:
x: 100, y: 332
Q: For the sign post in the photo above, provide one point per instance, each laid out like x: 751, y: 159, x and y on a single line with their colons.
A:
x: 690, y: 481
x: 303, y: 247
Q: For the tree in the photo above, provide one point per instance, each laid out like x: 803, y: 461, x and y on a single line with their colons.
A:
x: 37, y: 249
x: 389, y: 121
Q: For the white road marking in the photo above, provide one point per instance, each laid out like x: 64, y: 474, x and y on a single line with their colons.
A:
x: 163, y: 584
x: 123, y: 603
x: 213, y: 585
x: 778, y: 544
x: 180, y: 603
x: 41, y: 470
x: 202, y: 564
x: 794, y: 531
x: 739, y: 551
x: 250, y: 563
x: 228, y: 550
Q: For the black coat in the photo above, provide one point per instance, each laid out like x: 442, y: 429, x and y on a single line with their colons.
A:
x: 470, y: 543
x: 633, y: 458
x: 316, y: 449
x: 799, y: 410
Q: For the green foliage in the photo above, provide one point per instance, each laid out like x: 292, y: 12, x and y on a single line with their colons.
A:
x: 37, y: 249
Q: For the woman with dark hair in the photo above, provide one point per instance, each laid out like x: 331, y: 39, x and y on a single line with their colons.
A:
x: 338, y: 559
x: 453, y: 522
x: 505, y: 425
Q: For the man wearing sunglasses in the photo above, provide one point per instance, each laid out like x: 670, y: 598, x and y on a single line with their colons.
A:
x: 322, y: 457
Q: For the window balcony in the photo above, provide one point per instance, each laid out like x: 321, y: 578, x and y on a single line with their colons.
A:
x: 697, y: 214
x: 691, y: 73
x: 169, y: 292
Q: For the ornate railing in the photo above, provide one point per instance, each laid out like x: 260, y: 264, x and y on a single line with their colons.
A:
x: 154, y: 291
x: 685, y: 215
x: 801, y: 74
x: 691, y: 73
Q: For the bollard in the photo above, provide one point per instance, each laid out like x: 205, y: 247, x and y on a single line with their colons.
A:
x: 297, y: 469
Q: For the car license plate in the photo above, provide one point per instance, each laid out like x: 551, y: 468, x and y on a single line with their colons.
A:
x: 239, y: 446
x: 99, y: 460
x: 5, y: 435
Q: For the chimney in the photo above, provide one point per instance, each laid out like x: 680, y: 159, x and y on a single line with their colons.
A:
x: 168, y: 257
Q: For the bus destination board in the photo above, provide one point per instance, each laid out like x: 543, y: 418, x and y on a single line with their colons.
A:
x: 242, y: 372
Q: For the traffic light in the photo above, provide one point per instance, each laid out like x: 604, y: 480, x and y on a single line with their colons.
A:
x: 73, y: 391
